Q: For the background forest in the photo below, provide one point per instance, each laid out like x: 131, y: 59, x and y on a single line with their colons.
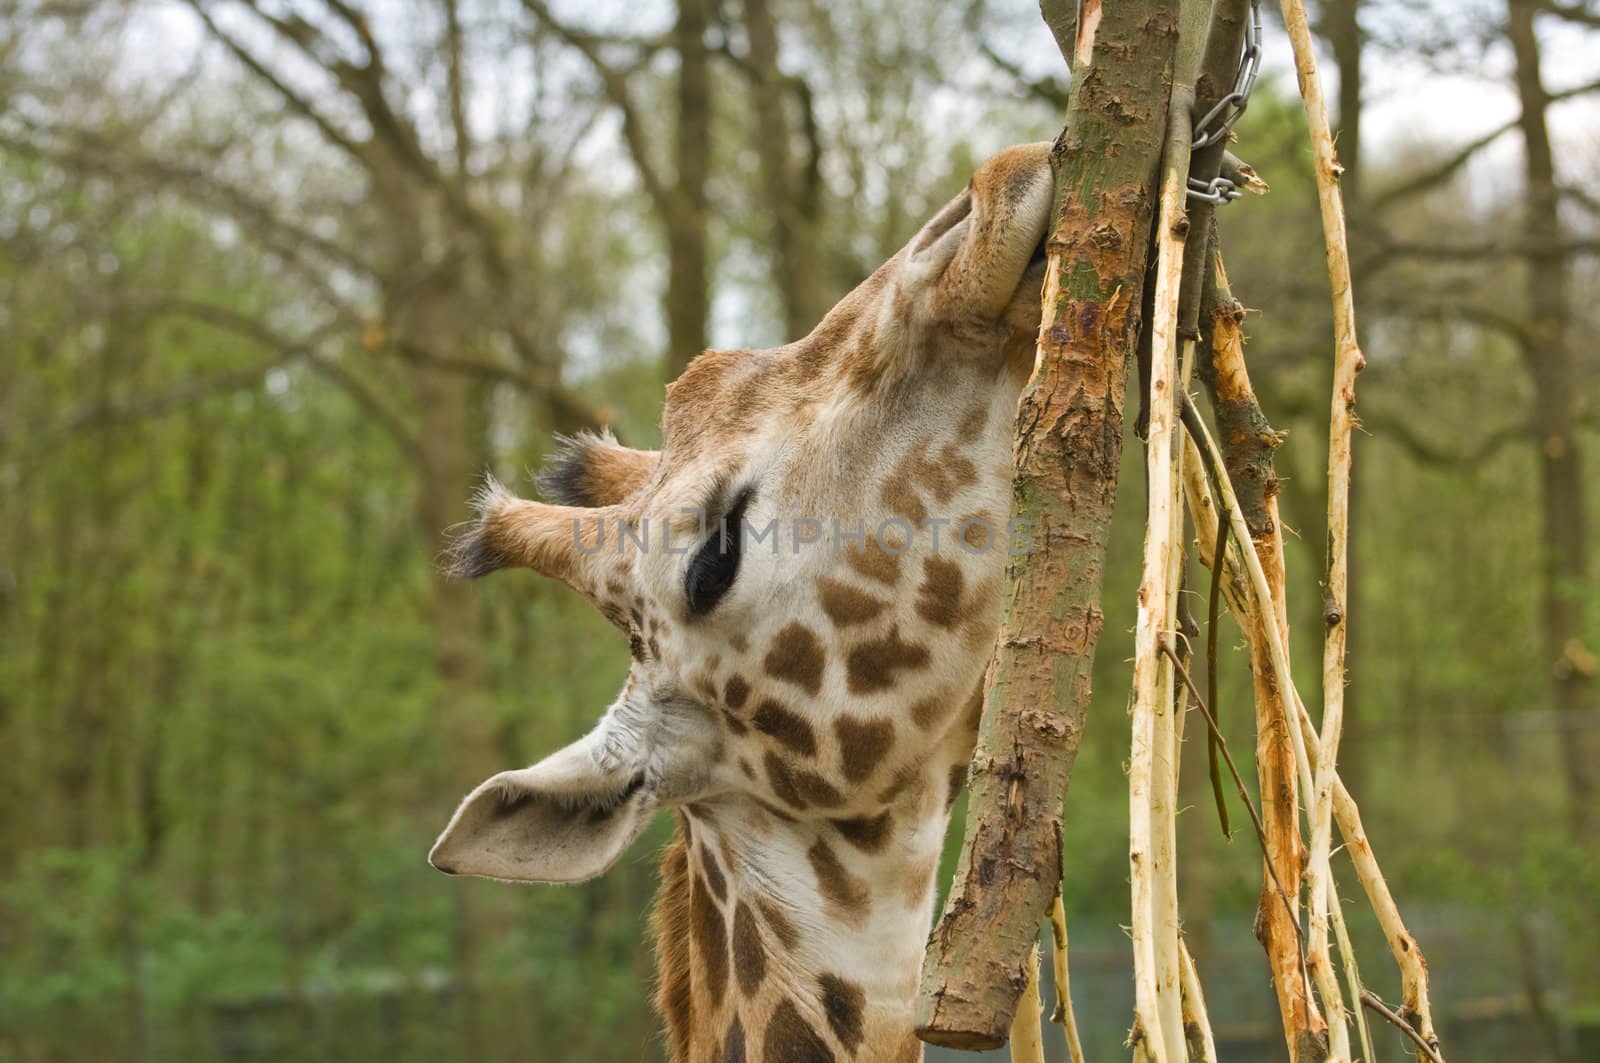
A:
x: 279, y: 280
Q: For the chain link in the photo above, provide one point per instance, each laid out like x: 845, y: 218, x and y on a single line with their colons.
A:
x: 1219, y: 190
x: 1214, y: 126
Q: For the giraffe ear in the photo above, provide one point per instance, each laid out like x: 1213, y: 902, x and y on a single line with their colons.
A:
x: 566, y: 819
x: 595, y: 470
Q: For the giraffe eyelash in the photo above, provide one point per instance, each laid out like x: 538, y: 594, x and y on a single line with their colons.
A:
x: 715, y: 566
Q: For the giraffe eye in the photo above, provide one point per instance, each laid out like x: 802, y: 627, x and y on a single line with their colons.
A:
x: 715, y: 565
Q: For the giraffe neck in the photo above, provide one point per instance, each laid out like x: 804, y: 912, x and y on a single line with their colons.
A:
x: 802, y: 941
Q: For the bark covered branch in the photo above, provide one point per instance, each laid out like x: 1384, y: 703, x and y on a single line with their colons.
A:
x: 1067, y: 450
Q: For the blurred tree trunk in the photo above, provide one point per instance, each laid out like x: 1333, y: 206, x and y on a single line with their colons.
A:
x: 1555, y: 436
x: 792, y: 187
x: 426, y: 303
x: 687, y: 207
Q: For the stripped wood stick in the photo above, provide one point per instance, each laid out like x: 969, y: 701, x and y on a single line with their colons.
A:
x: 1158, y: 1004
x: 1347, y: 362
x: 1027, y: 1039
x: 1280, y: 764
x: 1196, y: 1022
x: 1352, y: 972
x: 1063, y: 1013
x: 1430, y: 1051
x: 1402, y: 945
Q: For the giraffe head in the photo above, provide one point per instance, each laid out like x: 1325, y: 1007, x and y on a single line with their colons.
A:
x: 808, y: 574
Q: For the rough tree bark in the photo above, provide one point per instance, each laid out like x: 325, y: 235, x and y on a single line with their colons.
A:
x: 1068, y: 447
x: 1555, y: 436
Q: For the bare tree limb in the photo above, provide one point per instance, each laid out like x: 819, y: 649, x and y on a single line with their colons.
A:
x: 1369, y: 1000
x: 1452, y: 163
x: 292, y: 99
x: 1067, y: 449
x: 1573, y: 11
x: 291, y: 349
x: 87, y: 152
x: 615, y: 85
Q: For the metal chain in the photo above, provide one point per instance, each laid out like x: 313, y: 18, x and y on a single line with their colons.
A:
x: 1231, y: 106
x: 1218, y: 190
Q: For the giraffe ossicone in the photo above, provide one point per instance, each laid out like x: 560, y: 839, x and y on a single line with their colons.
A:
x: 808, y: 711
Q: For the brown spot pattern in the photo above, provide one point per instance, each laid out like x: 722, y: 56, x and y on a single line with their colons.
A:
x: 736, y: 692
x: 974, y: 715
x: 713, y: 872
x: 710, y: 940
x: 779, y: 923
x: 927, y: 712
x: 874, y: 562
x: 733, y: 1046
x: 774, y: 811
x: 903, y: 779
x: 799, y: 788
x: 749, y: 955
x: 838, y: 886
x: 871, y: 666
x: 900, y: 497
x: 957, y: 780
x: 844, y: 1003
x: 867, y: 833
x: 672, y: 924
x: 845, y: 605
x: 790, y: 1039
x: 977, y: 530
x: 790, y: 731
x: 796, y: 656
x: 939, y: 597
x: 862, y: 744
x: 972, y: 424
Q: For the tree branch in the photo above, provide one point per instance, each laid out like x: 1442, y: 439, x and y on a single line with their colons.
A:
x: 1448, y: 166
x: 290, y: 349
x: 615, y: 85
x: 1573, y: 12
x: 1067, y: 450
x: 97, y: 156
x: 292, y: 99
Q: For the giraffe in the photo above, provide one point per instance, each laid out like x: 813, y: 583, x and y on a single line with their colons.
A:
x: 809, y: 576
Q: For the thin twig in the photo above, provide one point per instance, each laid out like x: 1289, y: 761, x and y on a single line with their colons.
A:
x: 1238, y: 781
x: 1152, y: 868
x: 1347, y: 363
x: 1027, y: 1039
x: 1371, y: 1001
x: 1063, y: 1013
x: 1402, y: 945
x: 1196, y: 1020
x: 1213, y: 604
